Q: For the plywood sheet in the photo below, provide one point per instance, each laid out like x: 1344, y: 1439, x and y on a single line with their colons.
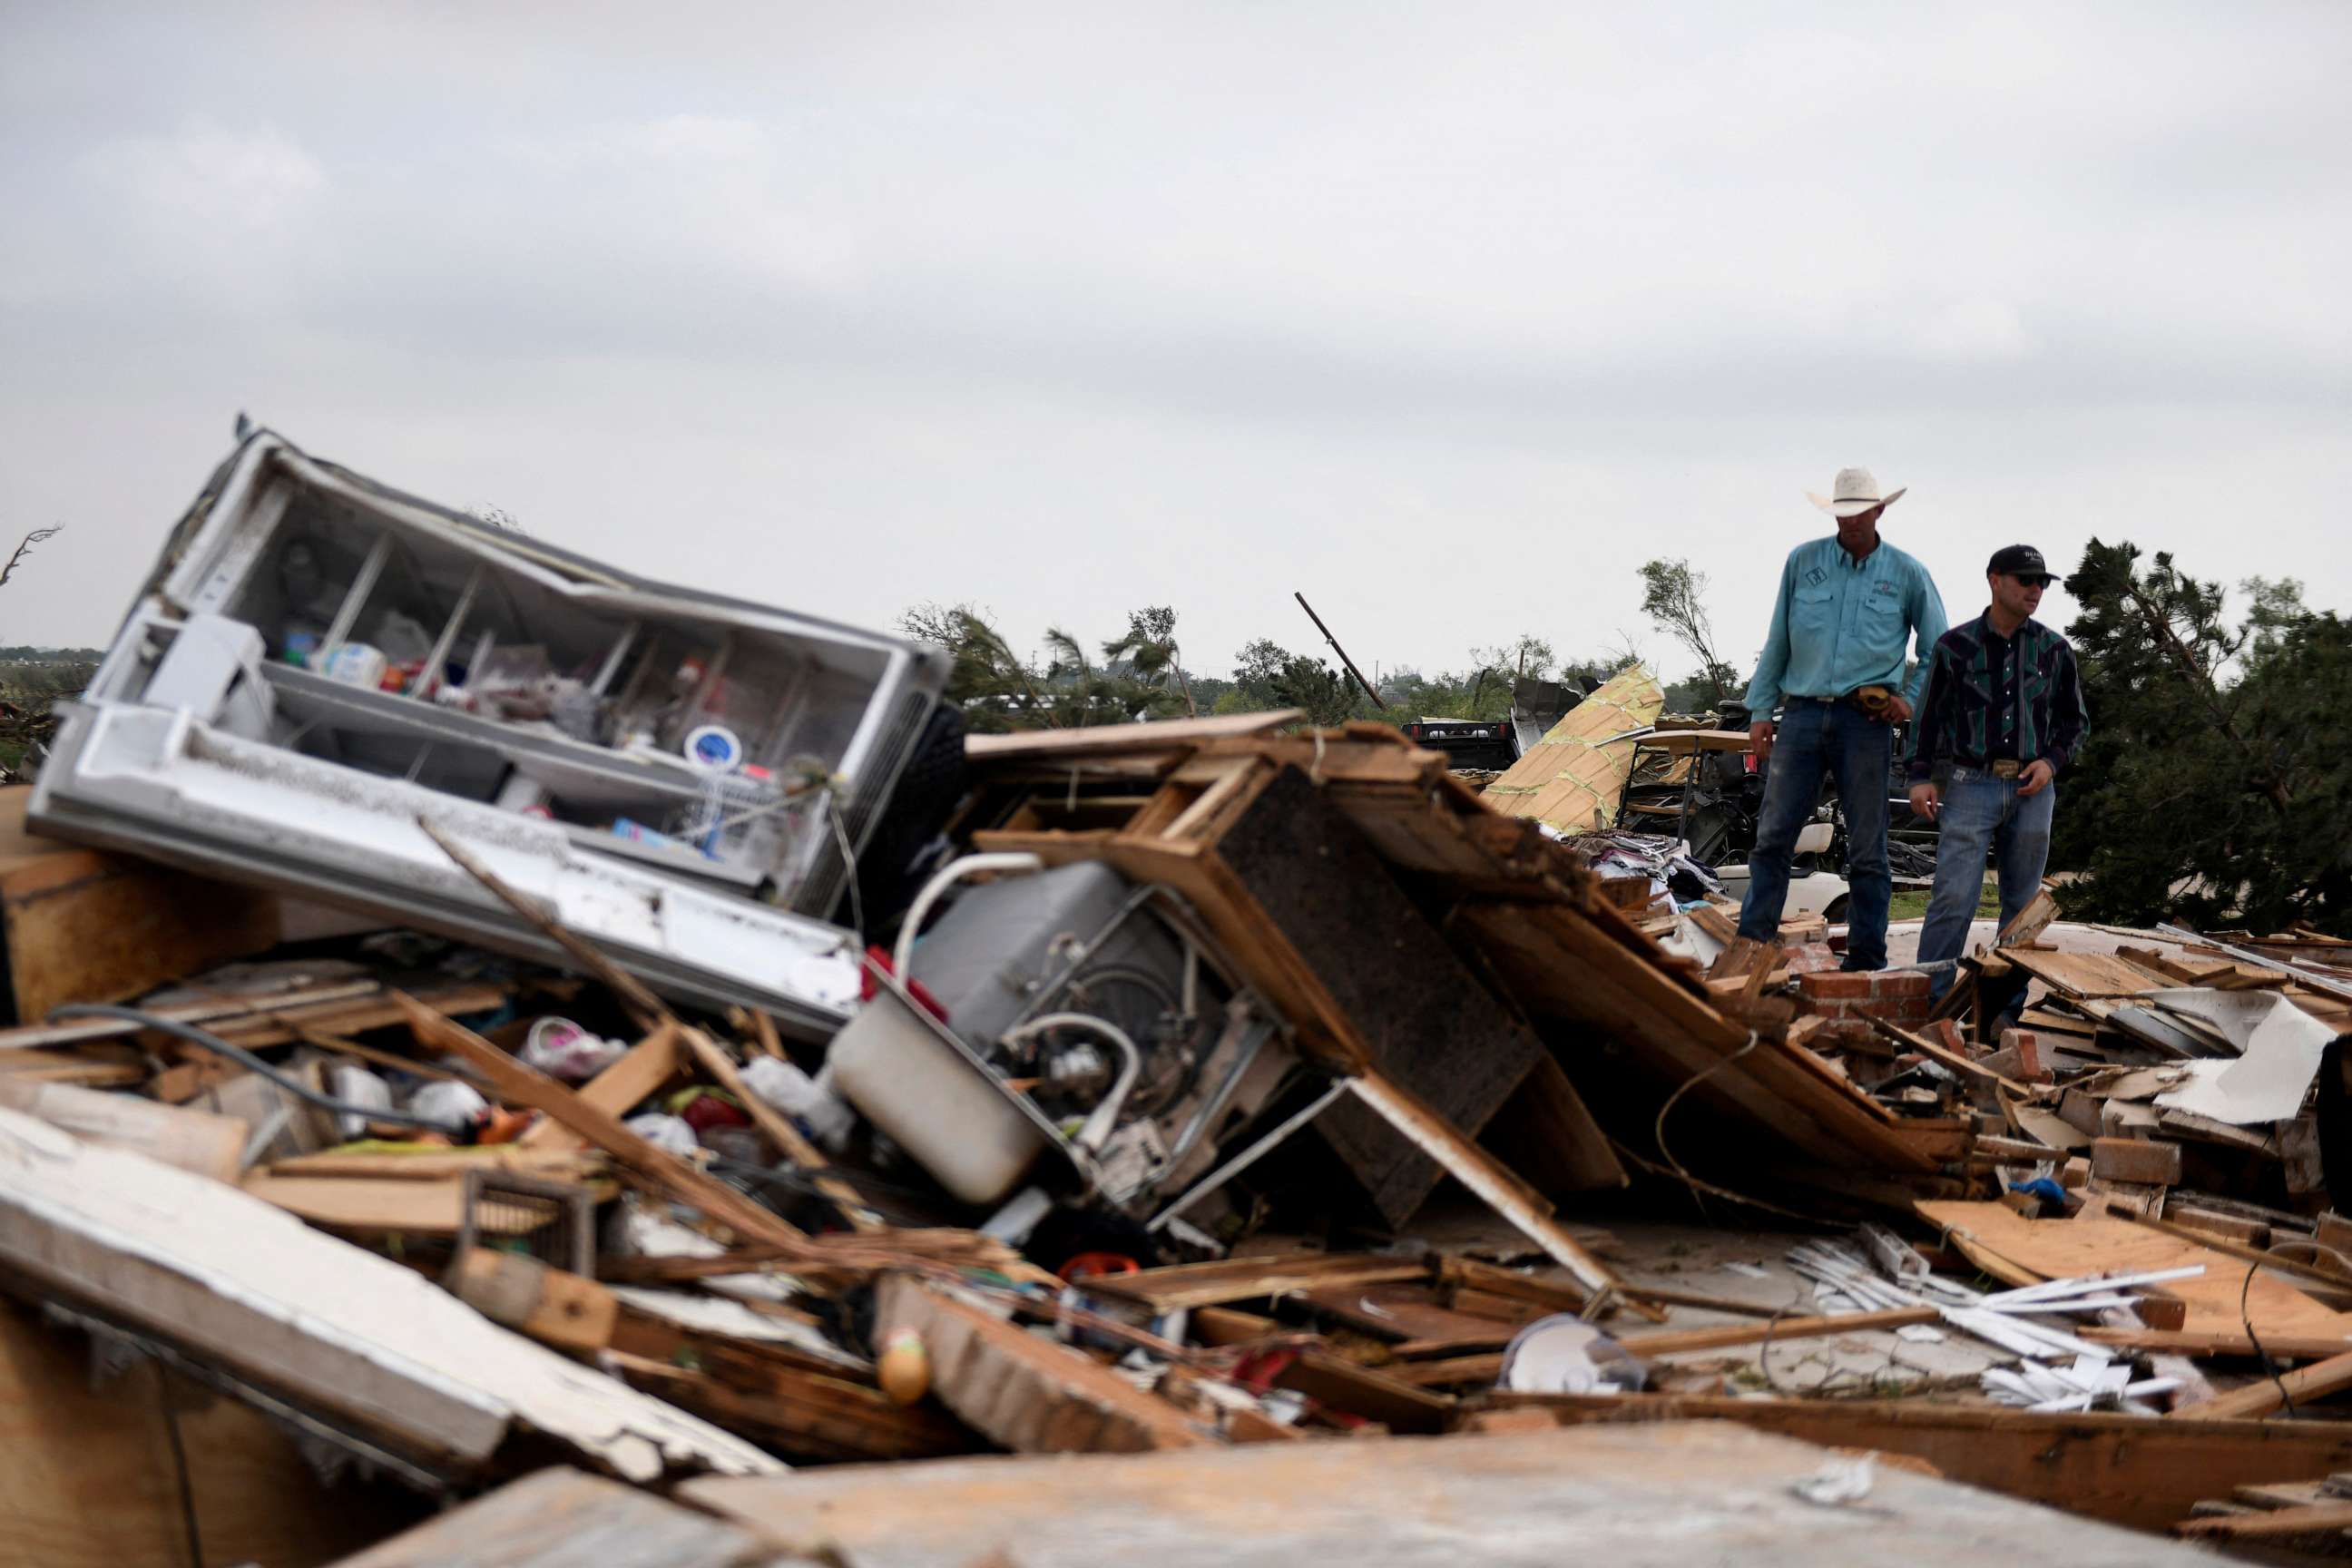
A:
x: 2063, y: 1248
x: 1630, y: 1497
x: 84, y: 925
x: 1573, y: 777
x: 91, y: 1480
x: 562, y: 1518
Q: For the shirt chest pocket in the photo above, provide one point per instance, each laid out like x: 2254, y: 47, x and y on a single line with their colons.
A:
x: 1881, y: 626
x: 1816, y: 609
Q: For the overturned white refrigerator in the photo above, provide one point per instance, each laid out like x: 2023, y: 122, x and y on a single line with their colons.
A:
x: 320, y: 663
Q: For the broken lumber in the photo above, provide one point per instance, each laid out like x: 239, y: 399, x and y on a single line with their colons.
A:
x: 1182, y: 1285
x: 551, y: 1306
x: 2265, y: 1395
x: 328, y: 1327
x: 2127, y: 1469
x: 526, y: 1086
x: 1021, y: 1390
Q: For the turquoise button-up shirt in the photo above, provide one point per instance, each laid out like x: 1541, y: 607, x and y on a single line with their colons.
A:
x: 1840, y: 625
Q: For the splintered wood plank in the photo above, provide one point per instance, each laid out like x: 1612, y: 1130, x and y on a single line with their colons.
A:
x: 2087, y: 974
x: 551, y: 1306
x: 1526, y: 1210
x: 1109, y: 740
x: 1631, y: 1498
x: 560, y: 1518
x: 2216, y: 1342
x: 1023, y: 1391
x: 2032, y: 1250
x: 2327, y: 1520
x: 1675, y: 1341
x: 805, y: 1415
x: 1410, y: 1313
x: 1184, y: 1285
x: 380, y: 1204
x: 2265, y: 1395
x: 332, y: 1328
x: 2127, y: 1469
x: 642, y: 1069
x: 520, y: 1085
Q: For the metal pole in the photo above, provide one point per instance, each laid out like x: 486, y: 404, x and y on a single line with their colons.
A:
x: 1340, y: 651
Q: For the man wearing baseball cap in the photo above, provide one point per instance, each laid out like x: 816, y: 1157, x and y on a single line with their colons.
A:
x: 2002, y: 716
x: 1848, y: 608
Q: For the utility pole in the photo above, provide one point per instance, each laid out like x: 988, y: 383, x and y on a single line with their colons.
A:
x: 1340, y: 651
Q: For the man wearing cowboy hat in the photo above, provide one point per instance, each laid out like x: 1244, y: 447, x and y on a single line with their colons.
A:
x: 1848, y: 606
x: 2003, y: 713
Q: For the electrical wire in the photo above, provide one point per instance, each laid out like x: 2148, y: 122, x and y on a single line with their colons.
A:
x: 1658, y: 1130
x: 180, y: 1463
x: 251, y: 1063
x: 2247, y: 1318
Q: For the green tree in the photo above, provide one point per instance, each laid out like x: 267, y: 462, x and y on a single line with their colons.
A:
x: 2215, y: 783
x: 1148, y: 650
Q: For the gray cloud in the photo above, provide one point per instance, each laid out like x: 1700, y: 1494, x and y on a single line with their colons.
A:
x: 1451, y: 318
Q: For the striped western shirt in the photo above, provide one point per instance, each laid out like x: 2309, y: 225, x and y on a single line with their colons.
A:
x: 1991, y: 698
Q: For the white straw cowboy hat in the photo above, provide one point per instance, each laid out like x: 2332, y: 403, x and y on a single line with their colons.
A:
x: 1854, y: 492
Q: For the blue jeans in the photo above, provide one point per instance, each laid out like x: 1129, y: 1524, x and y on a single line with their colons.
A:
x: 1982, y: 812
x: 1820, y: 738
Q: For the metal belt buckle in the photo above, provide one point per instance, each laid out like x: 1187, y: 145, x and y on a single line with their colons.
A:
x: 2005, y: 768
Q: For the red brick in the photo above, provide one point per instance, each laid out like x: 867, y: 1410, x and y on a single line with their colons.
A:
x: 1811, y: 958
x: 1832, y: 986
x: 1900, y: 983
x: 2028, y: 1047
x: 1947, y: 1034
x: 2135, y: 1160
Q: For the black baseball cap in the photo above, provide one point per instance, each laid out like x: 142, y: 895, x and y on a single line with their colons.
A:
x: 2020, y: 561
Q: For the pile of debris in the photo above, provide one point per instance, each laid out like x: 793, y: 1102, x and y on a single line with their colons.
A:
x: 478, y: 1012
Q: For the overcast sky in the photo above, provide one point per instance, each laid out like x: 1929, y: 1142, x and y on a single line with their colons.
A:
x: 1450, y: 315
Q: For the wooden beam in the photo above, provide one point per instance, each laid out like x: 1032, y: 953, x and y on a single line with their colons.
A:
x: 642, y: 1069
x: 2218, y: 1342
x: 1949, y: 1058
x: 1023, y: 1392
x: 520, y: 1085
x: 1672, y: 1341
x: 633, y: 994
x: 1185, y: 1285
x: 551, y: 1306
x: 1109, y: 740
x: 2327, y: 1519
x: 2261, y: 1397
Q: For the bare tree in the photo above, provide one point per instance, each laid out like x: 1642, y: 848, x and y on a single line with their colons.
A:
x: 1674, y: 598
x: 25, y: 548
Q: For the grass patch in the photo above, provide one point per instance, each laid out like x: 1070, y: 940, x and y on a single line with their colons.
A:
x: 1911, y: 903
